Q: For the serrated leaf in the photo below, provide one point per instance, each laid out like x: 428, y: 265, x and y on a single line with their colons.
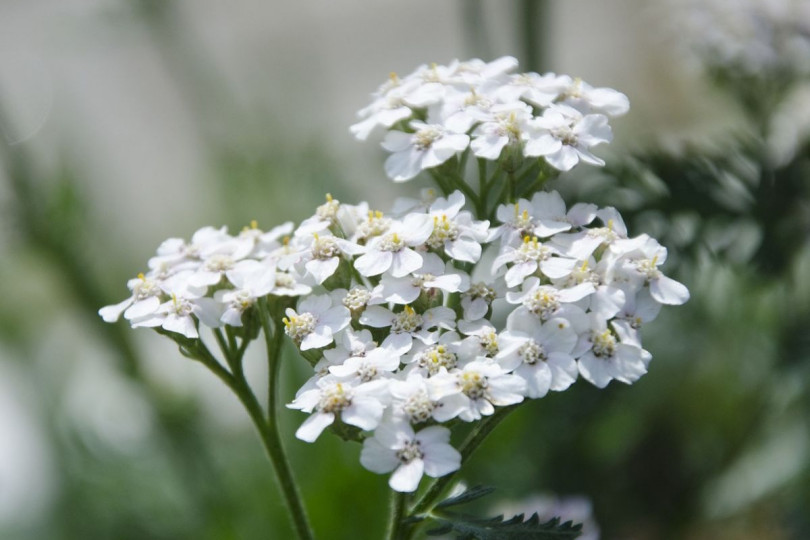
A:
x: 475, y: 492
x: 514, y: 528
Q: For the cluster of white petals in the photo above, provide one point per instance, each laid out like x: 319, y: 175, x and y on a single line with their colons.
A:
x: 424, y: 317
x: 438, y: 112
x: 211, y: 279
x: 403, y: 338
x: 757, y: 36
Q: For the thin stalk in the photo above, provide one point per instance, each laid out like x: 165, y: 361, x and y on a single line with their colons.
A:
x: 269, y: 428
x: 226, y: 350
x: 510, y: 187
x: 395, y: 523
x: 441, y: 182
x: 474, y: 27
x: 532, y: 18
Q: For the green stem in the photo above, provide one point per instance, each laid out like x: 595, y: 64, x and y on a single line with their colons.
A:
x: 483, y: 189
x: 470, y: 445
x: 510, y: 187
x: 396, y: 527
x: 533, y: 20
x: 441, y: 182
x: 459, y: 182
x: 226, y: 350
x: 269, y: 428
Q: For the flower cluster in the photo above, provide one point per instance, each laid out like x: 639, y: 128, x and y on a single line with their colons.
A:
x: 430, y: 315
x: 402, y: 314
x: 438, y: 112
x: 759, y: 37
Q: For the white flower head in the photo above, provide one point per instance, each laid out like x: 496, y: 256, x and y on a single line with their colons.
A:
x: 394, y: 250
x: 428, y: 146
x: 316, y: 322
x: 564, y: 137
x: 359, y: 405
x: 396, y: 447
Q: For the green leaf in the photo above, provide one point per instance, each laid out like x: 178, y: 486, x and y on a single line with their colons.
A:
x: 471, y: 494
x: 514, y: 528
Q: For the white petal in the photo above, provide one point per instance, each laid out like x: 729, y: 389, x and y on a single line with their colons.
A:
x: 557, y: 267
x: 441, y: 460
x: 374, y: 263
x: 376, y: 317
x: 314, y: 426
x: 142, y: 308
x: 668, y: 291
x: 321, y: 270
x: 404, y: 262
x: 364, y: 413
x: 407, y: 476
x: 463, y: 249
x: 112, y: 313
x: 377, y: 458
x: 403, y: 165
x: 595, y: 370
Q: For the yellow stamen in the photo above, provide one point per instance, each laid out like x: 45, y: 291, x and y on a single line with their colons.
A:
x: 141, y: 276
x: 328, y: 197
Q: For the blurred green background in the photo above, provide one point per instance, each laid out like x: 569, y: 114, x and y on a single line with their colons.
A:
x: 125, y: 122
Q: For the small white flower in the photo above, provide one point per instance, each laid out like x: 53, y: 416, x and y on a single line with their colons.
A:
x: 540, y: 90
x: 476, y: 301
x: 376, y: 363
x: 324, y: 254
x: 414, y: 400
x: 639, y: 260
x: 428, y: 146
x: 540, y: 353
x: 455, y: 231
x: 145, y: 299
x: 316, y: 322
x: 504, y: 126
x: 563, y: 136
x: 432, y: 278
x: 477, y: 388
x: 586, y: 98
x: 393, y: 250
x: 408, y: 324
x: 359, y: 406
x: 607, y: 358
x: 395, y: 447
x: 531, y: 256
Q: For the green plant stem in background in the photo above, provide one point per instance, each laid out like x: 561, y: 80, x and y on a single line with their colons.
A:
x: 396, y: 528
x: 532, y: 16
x: 267, y: 426
x: 269, y: 430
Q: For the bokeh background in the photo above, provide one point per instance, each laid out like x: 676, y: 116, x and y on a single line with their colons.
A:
x: 125, y: 122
